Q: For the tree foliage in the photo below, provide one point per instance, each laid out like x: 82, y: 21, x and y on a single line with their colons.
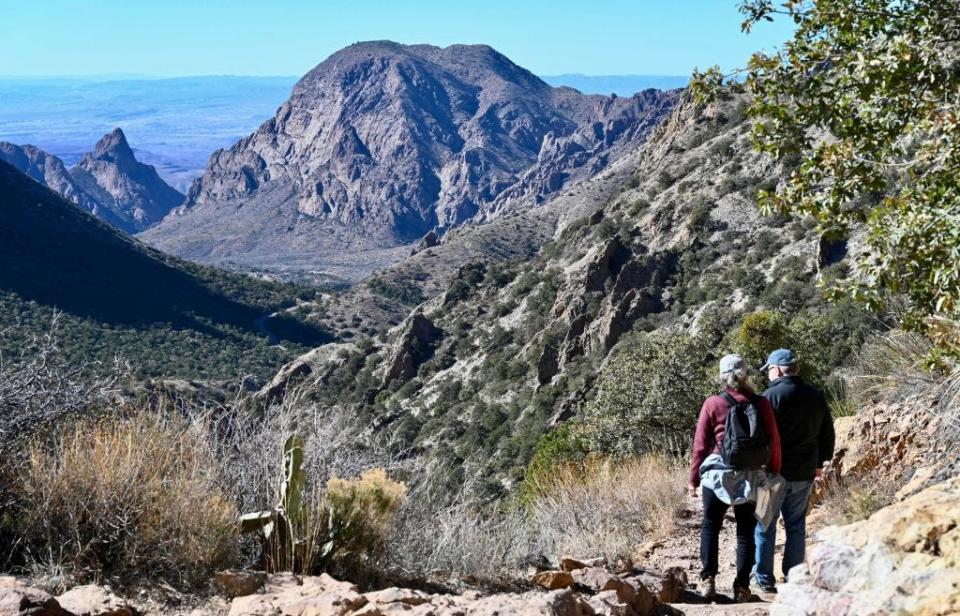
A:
x: 649, y: 396
x: 867, y: 93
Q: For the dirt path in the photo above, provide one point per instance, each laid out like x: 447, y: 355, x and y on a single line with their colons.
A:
x: 681, y: 550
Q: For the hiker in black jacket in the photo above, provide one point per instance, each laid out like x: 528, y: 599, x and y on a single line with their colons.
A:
x: 807, y: 440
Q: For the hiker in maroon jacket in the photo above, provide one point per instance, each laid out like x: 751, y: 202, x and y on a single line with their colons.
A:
x: 722, y: 485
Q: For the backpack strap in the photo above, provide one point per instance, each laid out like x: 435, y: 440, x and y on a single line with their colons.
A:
x: 730, y: 399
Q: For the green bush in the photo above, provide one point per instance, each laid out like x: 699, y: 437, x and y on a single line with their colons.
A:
x: 648, y: 397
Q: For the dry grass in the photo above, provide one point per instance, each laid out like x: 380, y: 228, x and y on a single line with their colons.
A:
x: 844, y: 502
x: 606, y: 508
x: 120, y: 497
x: 601, y: 508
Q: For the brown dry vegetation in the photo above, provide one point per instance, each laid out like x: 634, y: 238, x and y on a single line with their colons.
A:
x: 117, y: 496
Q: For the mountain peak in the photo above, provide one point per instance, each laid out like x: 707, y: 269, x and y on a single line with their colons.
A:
x: 383, y: 142
x: 119, y: 182
x: 114, y: 147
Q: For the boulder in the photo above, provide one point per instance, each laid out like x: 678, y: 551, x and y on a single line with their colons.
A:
x: 568, y: 563
x: 18, y: 599
x: 233, y: 583
x: 666, y: 587
x: 308, y: 596
x: 905, y: 558
x: 607, y: 602
x: 552, y: 580
x: 93, y: 600
x: 596, y: 579
x: 535, y: 603
x: 632, y: 593
x: 405, y: 596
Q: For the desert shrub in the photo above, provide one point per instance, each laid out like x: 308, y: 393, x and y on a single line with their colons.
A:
x: 462, y: 540
x: 760, y: 333
x: 402, y: 290
x: 606, y: 508
x: 126, y: 498
x: 40, y: 385
x: 562, y: 445
x: 665, y: 180
x: 639, y: 206
x: 648, y: 397
x: 360, y: 512
x: 890, y: 365
x: 845, y: 502
x: 700, y: 220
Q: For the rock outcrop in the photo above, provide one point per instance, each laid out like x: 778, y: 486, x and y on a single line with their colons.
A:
x: 384, y: 142
x: 601, y: 593
x: 19, y: 599
x: 93, y: 600
x: 415, y: 345
x: 904, y: 559
x: 133, y: 191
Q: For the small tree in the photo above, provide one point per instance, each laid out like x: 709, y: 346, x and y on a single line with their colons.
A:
x: 758, y: 334
x: 865, y: 93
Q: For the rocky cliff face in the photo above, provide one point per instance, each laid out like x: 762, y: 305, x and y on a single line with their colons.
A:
x: 50, y: 171
x: 108, y: 182
x: 130, y: 189
x: 396, y: 140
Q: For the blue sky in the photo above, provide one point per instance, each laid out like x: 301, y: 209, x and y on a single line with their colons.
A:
x: 288, y: 37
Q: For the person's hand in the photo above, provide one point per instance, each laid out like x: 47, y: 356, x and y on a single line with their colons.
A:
x: 819, y: 475
x: 692, y: 491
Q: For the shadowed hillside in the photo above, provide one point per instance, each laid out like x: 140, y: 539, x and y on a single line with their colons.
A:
x: 54, y: 255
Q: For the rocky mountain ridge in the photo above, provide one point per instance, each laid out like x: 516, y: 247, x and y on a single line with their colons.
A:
x: 383, y: 142
x: 109, y: 182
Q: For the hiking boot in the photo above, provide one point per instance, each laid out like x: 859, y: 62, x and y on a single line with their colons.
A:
x: 708, y: 588
x: 770, y: 589
x: 742, y: 595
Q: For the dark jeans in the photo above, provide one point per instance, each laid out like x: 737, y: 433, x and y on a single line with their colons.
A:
x: 713, y: 511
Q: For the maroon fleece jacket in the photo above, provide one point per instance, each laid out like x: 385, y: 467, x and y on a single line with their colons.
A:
x: 713, y: 421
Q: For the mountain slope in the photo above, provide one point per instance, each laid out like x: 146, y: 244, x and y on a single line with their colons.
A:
x: 119, y: 296
x: 109, y: 182
x: 669, y: 263
x: 383, y: 142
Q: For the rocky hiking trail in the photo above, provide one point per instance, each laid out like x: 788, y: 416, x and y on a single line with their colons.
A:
x: 904, y: 558
x: 658, y: 587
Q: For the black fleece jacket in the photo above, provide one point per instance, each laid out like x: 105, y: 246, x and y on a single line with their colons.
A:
x: 805, y: 425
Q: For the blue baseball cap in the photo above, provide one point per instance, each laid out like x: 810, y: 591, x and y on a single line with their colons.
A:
x: 780, y: 357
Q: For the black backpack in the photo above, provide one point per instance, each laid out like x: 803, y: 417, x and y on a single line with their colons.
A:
x: 746, y: 441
